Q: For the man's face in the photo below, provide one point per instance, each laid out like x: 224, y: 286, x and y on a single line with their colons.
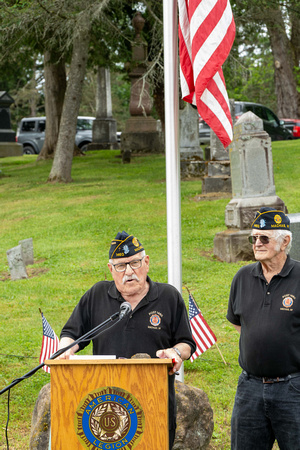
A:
x: 131, y: 282
x: 266, y: 252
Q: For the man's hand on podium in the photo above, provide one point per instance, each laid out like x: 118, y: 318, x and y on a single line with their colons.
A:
x: 178, y: 354
x: 64, y: 342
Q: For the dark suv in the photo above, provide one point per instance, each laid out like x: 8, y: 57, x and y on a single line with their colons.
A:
x: 272, y: 125
x: 31, y: 133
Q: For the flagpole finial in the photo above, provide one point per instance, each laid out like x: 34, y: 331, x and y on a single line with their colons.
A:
x: 40, y: 310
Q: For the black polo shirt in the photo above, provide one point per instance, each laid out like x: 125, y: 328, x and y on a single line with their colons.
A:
x: 269, y: 315
x: 159, y: 321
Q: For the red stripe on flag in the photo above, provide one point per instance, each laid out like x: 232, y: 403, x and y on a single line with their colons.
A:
x: 206, y: 34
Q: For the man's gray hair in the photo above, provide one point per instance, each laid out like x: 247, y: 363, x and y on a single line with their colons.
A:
x: 279, y: 235
x: 141, y: 254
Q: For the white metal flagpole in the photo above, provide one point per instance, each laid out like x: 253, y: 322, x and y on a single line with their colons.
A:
x: 172, y: 145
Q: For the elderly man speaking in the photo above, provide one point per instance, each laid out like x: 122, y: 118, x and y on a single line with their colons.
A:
x: 264, y: 306
x: 158, y: 324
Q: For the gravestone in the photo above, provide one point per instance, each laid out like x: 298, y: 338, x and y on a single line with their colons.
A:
x: 252, y: 188
x: 142, y: 132
x: 191, y: 154
x: 8, y: 146
x: 16, y: 263
x: 295, y: 229
x: 104, y: 126
x: 218, y: 178
x: 27, y: 251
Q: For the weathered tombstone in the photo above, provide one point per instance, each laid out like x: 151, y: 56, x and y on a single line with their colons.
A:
x: 142, y: 132
x: 295, y: 229
x: 27, y: 251
x: 218, y: 178
x: 191, y: 154
x: 16, y: 263
x: 194, y: 419
x: 8, y: 146
x: 41, y: 421
x: 104, y: 126
x: 252, y: 188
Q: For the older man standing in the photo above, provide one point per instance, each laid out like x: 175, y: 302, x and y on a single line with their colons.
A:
x: 158, y: 324
x: 264, y: 306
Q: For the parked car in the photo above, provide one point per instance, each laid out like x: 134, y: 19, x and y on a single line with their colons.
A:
x: 294, y: 126
x: 272, y: 125
x: 31, y: 133
x: 204, y: 132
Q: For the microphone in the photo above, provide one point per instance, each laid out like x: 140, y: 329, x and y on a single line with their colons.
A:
x: 125, y: 309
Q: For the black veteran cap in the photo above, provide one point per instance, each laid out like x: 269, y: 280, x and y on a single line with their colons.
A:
x: 124, y: 245
x: 270, y: 219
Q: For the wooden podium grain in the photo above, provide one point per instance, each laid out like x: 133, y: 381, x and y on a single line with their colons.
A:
x: 145, y: 379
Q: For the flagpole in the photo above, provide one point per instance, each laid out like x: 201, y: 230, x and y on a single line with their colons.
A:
x: 172, y: 146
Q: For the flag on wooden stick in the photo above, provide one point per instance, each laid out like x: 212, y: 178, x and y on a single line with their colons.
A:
x: 202, y: 333
x: 49, y: 344
x: 206, y: 35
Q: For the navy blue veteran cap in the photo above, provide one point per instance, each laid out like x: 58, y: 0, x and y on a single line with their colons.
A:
x: 124, y: 245
x: 270, y: 219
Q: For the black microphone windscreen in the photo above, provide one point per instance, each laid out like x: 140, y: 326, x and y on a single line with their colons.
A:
x: 125, y: 309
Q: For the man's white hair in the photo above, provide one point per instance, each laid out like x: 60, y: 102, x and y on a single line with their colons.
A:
x: 142, y: 254
x: 279, y: 235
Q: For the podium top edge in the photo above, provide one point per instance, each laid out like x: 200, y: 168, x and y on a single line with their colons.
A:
x: 124, y: 361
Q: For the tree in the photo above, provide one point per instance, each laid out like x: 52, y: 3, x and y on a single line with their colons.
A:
x: 279, y: 23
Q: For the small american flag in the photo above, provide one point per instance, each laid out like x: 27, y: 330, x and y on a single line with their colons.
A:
x: 202, y: 334
x: 49, y: 344
x: 206, y: 35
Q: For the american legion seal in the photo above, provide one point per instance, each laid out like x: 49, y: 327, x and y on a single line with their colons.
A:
x: 109, y: 418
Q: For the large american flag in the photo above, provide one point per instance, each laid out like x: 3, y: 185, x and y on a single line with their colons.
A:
x: 202, y: 334
x: 49, y: 344
x: 206, y: 35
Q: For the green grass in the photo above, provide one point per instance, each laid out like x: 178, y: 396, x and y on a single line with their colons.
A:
x: 72, y: 226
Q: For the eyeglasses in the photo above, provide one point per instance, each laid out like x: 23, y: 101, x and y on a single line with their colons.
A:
x: 135, y: 264
x: 263, y: 239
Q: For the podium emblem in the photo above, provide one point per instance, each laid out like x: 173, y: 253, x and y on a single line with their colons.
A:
x: 109, y: 418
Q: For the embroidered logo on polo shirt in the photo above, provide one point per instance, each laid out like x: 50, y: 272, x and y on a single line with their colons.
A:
x: 155, y: 320
x: 287, y: 302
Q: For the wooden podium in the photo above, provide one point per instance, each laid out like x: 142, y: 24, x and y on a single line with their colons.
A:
x: 109, y: 404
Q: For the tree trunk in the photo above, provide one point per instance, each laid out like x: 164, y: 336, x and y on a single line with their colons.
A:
x: 285, y: 81
x: 62, y: 163
x: 55, y: 88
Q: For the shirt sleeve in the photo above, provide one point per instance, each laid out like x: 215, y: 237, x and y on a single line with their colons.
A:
x: 231, y: 313
x: 183, y: 332
x: 79, y: 323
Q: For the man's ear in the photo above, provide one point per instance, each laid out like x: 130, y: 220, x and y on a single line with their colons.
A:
x: 286, y: 241
x: 110, y: 267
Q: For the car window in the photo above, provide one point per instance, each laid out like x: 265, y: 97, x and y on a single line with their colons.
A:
x: 271, y: 118
x: 28, y: 125
x: 41, y: 125
x: 84, y: 124
x: 259, y: 112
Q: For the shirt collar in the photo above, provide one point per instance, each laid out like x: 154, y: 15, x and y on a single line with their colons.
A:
x: 151, y: 295
x: 288, y: 266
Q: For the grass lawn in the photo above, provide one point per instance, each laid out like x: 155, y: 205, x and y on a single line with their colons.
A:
x: 72, y: 226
